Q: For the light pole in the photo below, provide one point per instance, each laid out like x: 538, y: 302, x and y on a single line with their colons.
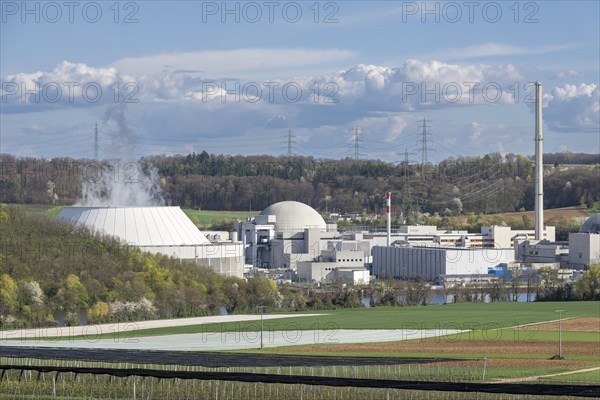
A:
x: 560, y: 333
x: 261, y: 309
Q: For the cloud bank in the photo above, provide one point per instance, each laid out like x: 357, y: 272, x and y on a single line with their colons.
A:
x: 204, y: 99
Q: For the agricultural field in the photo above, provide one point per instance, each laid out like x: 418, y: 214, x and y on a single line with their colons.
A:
x: 513, y: 344
x: 203, y: 219
x: 574, y: 214
x: 47, y: 209
x: 566, y: 212
x: 519, y: 352
x: 208, y: 218
x: 470, y: 316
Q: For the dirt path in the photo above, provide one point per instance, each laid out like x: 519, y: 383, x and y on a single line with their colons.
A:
x: 534, y: 324
x: 533, y: 378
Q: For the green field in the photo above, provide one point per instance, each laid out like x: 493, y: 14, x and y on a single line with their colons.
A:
x: 202, y: 218
x: 590, y: 376
x: 47, y: 209
x: 208, y: 218
x: 483, y: 319
x: 477, y: 316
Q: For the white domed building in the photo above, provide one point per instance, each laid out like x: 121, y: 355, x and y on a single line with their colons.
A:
x: 283, y: 234
x: 584, y: 247
x: 292, y: 217
x: 159, y: 230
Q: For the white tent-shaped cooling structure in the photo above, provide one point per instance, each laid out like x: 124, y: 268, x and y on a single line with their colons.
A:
x: 164, y: 230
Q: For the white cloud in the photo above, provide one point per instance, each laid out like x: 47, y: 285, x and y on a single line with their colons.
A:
x: 239, y: 63
x: 569, y: 73
x: 494, y: 50
x: 574, y: 108
x: 173, y: 107
x: 67, y: 84
x: 476, y: 129
x: 414, y: 85
x: 387, y: 128
x: 424, y: 85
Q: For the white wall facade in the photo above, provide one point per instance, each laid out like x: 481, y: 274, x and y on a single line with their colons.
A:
x: 223, y: 258
x: 428, y: 262
x: 584, y: 249
x: 326, y: 272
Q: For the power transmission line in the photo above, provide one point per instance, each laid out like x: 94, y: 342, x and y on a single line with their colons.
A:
x: 290, y: 143
x: 355, y: 136
x: 96, y: 145
x: 406, y: 200
x: 424, y: 141
x: 425, y: 150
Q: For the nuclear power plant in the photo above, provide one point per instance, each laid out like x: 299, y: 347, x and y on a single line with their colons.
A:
x: 458, y: 255
x: 290, y: 240
x: 294, y: 239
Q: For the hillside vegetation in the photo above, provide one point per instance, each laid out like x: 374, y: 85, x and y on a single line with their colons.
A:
x: 493, y: 183
x: 47, y: 267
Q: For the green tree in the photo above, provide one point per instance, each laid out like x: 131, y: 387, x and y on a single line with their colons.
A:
x: 588, y: 286
x: 98, y: 312
x: 527, y: 222
x: 74, y: 295
x: 8, y: 294
x: 234, y: 295
x: 264, y: 292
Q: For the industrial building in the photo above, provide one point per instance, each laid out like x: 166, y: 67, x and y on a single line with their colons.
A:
x: 159, y: 230
x: 542, y: 253
x: 344, y: 266
x: 429, y: 262
x: 291, y: 236
x: 426, y: 253
x: 284, y: 234
x: 584, y: 247
x: 490, y: 236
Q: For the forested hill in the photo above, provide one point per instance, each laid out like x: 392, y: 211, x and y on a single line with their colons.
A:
x: 488, y: 184
x: 48, y: 269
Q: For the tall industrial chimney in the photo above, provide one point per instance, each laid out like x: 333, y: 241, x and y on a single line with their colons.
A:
x: 539, y: 165
x: 388, y: 213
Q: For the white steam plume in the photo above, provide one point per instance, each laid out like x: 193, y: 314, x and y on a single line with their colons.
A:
x: 120, y: 182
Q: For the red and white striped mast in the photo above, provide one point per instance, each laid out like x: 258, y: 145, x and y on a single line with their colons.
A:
x: 388, y: 213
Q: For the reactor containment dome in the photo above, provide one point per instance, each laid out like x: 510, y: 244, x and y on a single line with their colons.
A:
x: 591, y: 225
x: 293, y: 216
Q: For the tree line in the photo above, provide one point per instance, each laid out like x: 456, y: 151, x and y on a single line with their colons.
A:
x: 490, y: 184
x: 587, y: 287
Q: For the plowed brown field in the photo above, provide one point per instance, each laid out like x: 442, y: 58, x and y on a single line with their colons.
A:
x: 447, y: 346
x: 590, y: 324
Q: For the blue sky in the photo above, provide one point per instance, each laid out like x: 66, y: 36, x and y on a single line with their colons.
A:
x: 176, y: 77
